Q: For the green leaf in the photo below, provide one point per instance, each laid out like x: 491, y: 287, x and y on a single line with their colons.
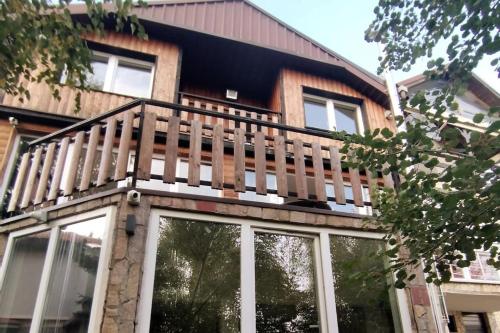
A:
x: 478, y: 117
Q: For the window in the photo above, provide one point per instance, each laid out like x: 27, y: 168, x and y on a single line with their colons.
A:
x: 479, y: 270
x: 474, y: 322
x: 182, y: 170
x: 52, y: 276
x: 252, y: 196
x: 332, y: 115
x: 121, y: 75
x: 349, y: 207
x: 213, y: 274
x: 360, y: 308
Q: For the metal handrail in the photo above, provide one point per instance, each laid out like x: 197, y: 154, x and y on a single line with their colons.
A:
x: 184, y: 108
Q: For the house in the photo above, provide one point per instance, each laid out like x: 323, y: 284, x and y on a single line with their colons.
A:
x: 472, y: 297
x: 199, y: 188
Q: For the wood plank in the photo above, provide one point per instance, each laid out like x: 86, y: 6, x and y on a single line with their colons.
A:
x: 44, y: 177
x: 231, y: 123
x: 280, y: 161
x: 194, y: 154
x: 197, y: 105
x: 106, y: 154
x: 274, y: 119
x: 338, y: 181
x: 147, y: 145
x: 184, y: 115
x: 218, y: 157
x: 220, y: 109
x: 300, y: 170
x: 319, y: 173
x: 28, y: 189
x: 58, y: 171
x: 357, y: 191
x: 253, y: 126
x: 21, y: 173
x: 260, y: 163
x: 208, y: 120
x: 124, y: 146
x: 239, y: 160
x: 171, y: 150
x: 88, y: 165
x: 73, y: 163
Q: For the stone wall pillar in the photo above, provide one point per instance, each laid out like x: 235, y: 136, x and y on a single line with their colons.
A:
x: 125, y: 269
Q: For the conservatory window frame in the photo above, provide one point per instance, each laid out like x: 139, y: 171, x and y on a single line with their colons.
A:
x: 54, y: 227
x: 322, y: 265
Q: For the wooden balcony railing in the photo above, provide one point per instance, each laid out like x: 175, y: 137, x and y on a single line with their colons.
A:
x: 120, y: 145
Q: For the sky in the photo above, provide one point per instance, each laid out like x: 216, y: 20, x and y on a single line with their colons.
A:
x: 340, y: 26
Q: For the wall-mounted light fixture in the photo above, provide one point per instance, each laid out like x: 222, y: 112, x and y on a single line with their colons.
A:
x: 231, y: 94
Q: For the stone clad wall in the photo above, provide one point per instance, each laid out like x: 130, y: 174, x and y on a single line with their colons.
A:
x: 123, y: 289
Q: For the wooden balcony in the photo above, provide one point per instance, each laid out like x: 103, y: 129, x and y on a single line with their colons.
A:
x: 118, y: 148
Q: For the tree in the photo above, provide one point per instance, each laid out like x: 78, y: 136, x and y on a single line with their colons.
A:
x: 40, y: 41
x: 438, y: 218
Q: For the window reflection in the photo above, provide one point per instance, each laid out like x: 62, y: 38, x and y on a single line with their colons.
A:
x: 363, y: 305
x: 345, y: 120
x: 316, y: 115
x: 73, y: 275
x: 20, y: 287
x: 250, y: 180
x: 197, y: 278
x: 132, y: 79
x: 285, y: 284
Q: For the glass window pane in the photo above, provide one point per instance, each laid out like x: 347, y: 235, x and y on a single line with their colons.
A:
x: 99, y: 66
x: 361, y: 307
x: 285, y: 284
x: 490, y: 273
x: 349, y: 208
x: 73, y: 275
x: 252, y: 196
x: 131, y: 79
x: 345, y: 120
x: 205, y: 175
x: 20, y: 287
x: 316, y: 115
x: 197, y: 278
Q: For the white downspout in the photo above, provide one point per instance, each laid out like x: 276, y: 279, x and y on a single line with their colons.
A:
x: 438, y: 306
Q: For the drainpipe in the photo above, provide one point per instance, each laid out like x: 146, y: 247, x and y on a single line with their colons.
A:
x: 438, y: 307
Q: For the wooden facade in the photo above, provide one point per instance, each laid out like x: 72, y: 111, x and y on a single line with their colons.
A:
x: 292, y: 102
x: 97, y: 102
x: 281, y: 152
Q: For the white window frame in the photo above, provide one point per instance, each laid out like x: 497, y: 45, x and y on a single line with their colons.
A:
x: 111, y: 69
x: 323, y: 267
x: 330, y: 111
x: 99, y: 295
x: 467, y: 276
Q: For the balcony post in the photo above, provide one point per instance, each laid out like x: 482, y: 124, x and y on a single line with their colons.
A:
x: 138, y: 144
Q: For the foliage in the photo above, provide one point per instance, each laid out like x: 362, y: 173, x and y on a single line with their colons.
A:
x: 40, y: 40
x: 448, y: 203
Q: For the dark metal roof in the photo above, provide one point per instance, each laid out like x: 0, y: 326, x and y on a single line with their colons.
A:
x: 243, y: 21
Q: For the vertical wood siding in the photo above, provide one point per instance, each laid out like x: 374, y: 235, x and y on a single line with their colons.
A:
x: 96, y: 102
x: 294, y: 81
